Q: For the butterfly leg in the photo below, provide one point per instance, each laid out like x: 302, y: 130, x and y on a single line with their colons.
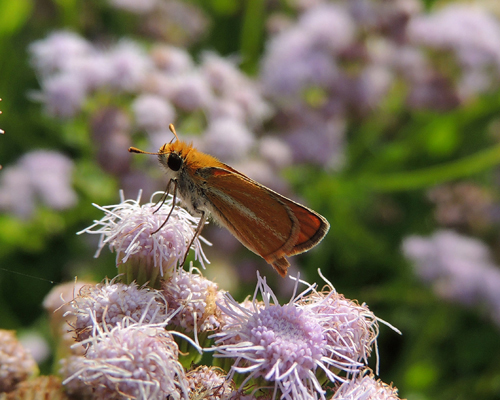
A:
x: 197, y: 233
x: 173, y: 204
x: 163, y: 198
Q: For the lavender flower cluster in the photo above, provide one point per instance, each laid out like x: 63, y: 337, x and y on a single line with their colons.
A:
x: 40, y: 176
x: 336, y: 62
x: 131, y: 341
x: 131, y: 92
x: 342, y: 61
x: 267, y: 350
x: 149, y: 240
x: 165, y: 85
x: 459, y: 268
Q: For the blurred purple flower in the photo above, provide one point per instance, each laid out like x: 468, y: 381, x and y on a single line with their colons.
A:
x: 304, y: 55
x: 52, y: 54
x: 472, y: 35
x: 111, y: 135
x: 236, y: 95
x: 319, y: 142
x: 41, y: 173
x: 292, y: 63
x: 170, y: 59
x: 135, y: 6
x: 129, y: 65
x: 62, y: 95
x: 467, y: 30
x: 93, y: 70
x: 227, y: 139
x: 459, y: 268
x: 36, y: 345
x: 152, y: 112
x: 275, y: 151
x: 16, y: 363
x: 191, y: 92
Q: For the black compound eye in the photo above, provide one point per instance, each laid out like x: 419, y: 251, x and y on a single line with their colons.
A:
x: 174, y: 161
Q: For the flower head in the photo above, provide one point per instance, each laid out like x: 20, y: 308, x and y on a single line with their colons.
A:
x: 284, y: 345
x: 135, y: 361
x: 133, y: 6
x: 41, y: 387
x: 460, y: 268
x: 104, y: 306
x: 365, y: 386
x: 129, y: 64
x: 53, y: 53
x: 195, y: 297
x: 63, y: 95
x: 208, y: 383
x: 228, y: 139
x: 144, y: 239
x: 153, y: 112
x: 38, y: 174
x: 191, y: 92
x: 349, y: 329
x: 16, y: 364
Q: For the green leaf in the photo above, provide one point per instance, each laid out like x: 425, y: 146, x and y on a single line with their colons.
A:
x: 13, y: 15
x: 425, y: 177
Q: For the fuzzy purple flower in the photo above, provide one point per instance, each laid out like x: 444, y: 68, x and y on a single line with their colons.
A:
x: 275, y: 151
x: 152, y: 112
x: 304, y: 55
x: 349, y: 329
x: 472, y: 35
x: 16, y: 364
x: 459, y: 268
x: 365, y: 386
x: 135, y: 361
x: 191, y: 92
x: 284, y: 345
x: 104, y: 306
x: 235, y: 95
x: 134, y: 6
x: 469, y: 31
x: 195, y: 297
x: 144, y: 240
x: 228, y: 139
x: 171, y: 60
x: 53, y: 53
x: 209, y: 383
x: 62, y: 95
x: 129, y: 65
x: 39, y: 174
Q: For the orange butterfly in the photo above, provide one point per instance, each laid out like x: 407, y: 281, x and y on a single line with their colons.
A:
x: 266, y: 222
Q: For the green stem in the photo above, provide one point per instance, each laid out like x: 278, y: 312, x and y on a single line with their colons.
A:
x: 426, y: 177
x: 251, y: 34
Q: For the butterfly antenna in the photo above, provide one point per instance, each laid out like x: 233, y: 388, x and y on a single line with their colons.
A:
x: 172, y: 129
x: 136, y: 150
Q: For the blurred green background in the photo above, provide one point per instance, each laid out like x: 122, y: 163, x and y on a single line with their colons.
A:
x: 395, y: 156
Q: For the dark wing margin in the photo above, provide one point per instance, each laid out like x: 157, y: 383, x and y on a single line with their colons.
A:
x: 312, y: 227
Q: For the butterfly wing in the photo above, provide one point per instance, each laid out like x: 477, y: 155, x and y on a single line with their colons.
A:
x: 267, y: 223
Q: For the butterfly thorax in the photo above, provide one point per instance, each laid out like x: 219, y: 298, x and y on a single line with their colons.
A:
x: 188, y: 167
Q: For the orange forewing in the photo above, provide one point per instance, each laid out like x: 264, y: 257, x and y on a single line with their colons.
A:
x: 264, y: 221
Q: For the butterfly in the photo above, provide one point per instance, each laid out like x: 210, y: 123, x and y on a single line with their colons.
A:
x: 267, y: 223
